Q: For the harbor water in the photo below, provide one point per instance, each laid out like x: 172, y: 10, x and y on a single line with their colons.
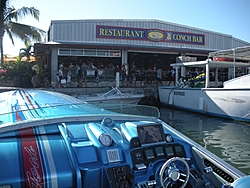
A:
x: 228, y: 139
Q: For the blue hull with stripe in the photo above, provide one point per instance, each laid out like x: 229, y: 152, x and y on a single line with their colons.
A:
x: 49, y: 139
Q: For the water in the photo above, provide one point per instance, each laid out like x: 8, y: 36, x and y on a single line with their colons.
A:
x: 228, y: 139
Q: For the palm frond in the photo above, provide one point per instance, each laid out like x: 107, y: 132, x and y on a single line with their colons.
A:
x: 4, y: 5
x: 9, y: 17
x: 26, y: 52
x: 10, y: 35
x: 8, y: 14
x: 26, y: 33
x: 19, y: 14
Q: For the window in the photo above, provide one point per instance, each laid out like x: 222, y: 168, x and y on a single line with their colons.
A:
x: 115, y: 53
x: 64, y: 51
x: 89, y: 52
x: 104, y: 53
x: 77, y: 52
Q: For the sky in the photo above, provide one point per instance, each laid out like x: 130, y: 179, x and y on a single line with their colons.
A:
x: 230, y: 17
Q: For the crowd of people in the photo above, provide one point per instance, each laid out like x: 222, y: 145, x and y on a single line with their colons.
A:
x: 76, y: 74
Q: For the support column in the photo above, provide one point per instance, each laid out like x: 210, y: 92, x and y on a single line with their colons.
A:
x: 54, y: 65
x: 207, y: 75
x: 125, y: 60
x: 176, y: 75
x: 183, y: 72
x: 124, y: 57
x: 216, y: 77
x: 234, y: 62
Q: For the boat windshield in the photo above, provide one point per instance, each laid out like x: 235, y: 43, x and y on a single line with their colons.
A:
x: 22, y: 113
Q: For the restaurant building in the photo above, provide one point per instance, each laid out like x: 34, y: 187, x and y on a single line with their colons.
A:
x: 134, y: 43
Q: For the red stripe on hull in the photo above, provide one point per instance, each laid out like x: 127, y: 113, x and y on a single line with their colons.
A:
x: 31, y: 160
x: 30, y: 102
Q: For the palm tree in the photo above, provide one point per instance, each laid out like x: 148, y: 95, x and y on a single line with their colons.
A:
x: 26, y: 52
x: 9, y: 17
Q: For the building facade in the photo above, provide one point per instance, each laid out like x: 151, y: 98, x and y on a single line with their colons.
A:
x: 139, y: 43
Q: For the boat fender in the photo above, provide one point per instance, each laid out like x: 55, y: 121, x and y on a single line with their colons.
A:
x: 243, y: 182
x: 226, y: 185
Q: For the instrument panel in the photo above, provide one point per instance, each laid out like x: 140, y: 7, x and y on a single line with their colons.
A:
x: 153, y: 153
x: 153, y: 144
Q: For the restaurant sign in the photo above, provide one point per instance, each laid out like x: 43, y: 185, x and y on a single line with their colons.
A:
x: 155, y: 35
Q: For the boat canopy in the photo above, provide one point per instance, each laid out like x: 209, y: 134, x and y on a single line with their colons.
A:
x: 231, y: 58
x: 240, y: 53
x: 212, y: 64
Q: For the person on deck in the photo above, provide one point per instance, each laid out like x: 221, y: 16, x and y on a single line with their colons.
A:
x: 159, y: 76
x: 60, y: 74
x: 124, y: 75
x: 69, y: 78
x: 172, y: 77
x: 83, y: 71
x: 46, y: 76
x: 78, y: 75
x: 97, y: 75
x: 33, y: 78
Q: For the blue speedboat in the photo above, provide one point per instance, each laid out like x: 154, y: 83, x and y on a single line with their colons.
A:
x: 49, y: 139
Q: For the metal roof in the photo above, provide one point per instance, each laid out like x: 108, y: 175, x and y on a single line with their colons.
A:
x: 240, y: 53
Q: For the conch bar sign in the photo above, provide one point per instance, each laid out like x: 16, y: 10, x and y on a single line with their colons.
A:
x: 149, y: 34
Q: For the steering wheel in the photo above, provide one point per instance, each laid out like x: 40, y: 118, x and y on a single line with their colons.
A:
x: 169, y: 173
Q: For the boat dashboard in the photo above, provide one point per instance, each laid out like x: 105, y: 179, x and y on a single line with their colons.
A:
x: 107, y: 152
x: 139, y: 153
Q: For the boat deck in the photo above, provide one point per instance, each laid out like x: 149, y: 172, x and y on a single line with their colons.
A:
x: 147, y: 91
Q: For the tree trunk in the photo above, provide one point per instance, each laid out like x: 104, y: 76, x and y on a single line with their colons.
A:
x: 3, y: 4
x: 1, y: 43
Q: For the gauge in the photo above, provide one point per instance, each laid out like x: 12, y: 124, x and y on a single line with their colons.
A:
x: 107, y: 121
x: 169, y: 138
x: 138, y: 156
x: 105, y: 139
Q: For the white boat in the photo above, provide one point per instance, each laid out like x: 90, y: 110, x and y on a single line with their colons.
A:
x: 231, y: 100
x: 112, y: 96
x: 49, y: 139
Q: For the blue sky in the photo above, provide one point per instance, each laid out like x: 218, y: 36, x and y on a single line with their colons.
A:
x: 230, y: 17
